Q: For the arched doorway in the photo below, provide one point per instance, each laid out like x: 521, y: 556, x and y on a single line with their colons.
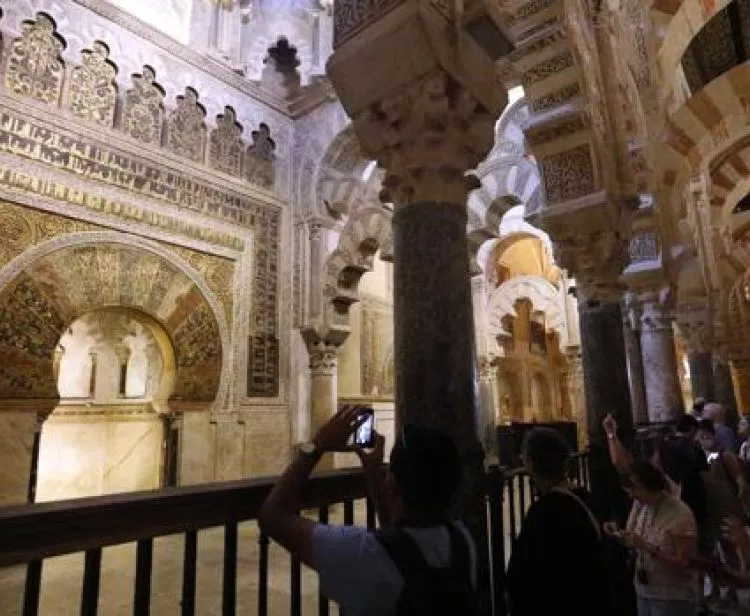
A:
x: 115, y: 373
x: 47, y: 289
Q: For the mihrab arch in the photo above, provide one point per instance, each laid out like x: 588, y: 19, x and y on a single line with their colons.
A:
x: 52, y: 284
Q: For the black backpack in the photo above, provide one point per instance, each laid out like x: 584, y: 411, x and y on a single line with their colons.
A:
x: 431, y: 591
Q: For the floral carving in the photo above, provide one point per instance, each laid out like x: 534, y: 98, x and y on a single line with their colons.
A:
x: 34, y: 67
x: 568, y: 175
x: 187, y: 127
x: 260, y: 158
x: 351, y: 16
x: 143, y: 109
x: 227, y: 144
x: 92, y: 93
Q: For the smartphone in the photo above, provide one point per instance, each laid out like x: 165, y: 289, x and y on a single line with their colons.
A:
x: 365, y: 434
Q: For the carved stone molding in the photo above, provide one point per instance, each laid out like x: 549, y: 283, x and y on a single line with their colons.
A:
x: 143, y: 108
x: 695, y: 327
x: 657, y: 310
x: 323, y: 358
x: 92, y: 92
x: 487, y: 368
x: 426, y: 137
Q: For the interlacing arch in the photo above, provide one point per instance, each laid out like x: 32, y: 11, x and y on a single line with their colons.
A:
x: 366, y: 232
x: 509, y: 178
x: 710, y: 123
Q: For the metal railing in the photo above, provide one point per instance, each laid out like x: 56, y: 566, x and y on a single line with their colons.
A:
x: 33, y: 533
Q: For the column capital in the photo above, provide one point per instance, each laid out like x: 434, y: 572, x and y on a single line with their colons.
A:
x: 657, y: 309
x: 487, y: 368
x: 315, y: 229
x: 694, y: 325
x: 323, y: 358
x: 427, y: 136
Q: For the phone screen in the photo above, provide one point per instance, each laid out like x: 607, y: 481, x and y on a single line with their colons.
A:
x: 364, y: 436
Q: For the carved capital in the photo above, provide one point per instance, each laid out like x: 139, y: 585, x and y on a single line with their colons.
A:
x: 316, y: 231
x: 426, y: 137
x: 658, y: 310
x: 694, y: 325
x: 487, y: 368
x: 596, y: 260
x: 323, y: 358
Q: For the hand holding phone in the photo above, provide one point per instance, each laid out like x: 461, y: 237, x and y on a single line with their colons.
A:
x: 364, y: 435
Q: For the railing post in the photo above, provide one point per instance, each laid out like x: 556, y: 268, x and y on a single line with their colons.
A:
x: 511, y: 508
x: 189, y: 560
x: 144, y: 560
x: 263, y: 575
x: 32, y: 588
x: 91, y: 576
x: 323, y: 603
x: 229, y: 587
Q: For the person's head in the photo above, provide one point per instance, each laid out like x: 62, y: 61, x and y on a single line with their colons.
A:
x: 743, y: 427
x: 424, y: 474
x: 546, y: 455
x: 687, y: 426
x: 714, y: 411
x: 644, y: 482
x: 698, y: 406
x: 707, y: 435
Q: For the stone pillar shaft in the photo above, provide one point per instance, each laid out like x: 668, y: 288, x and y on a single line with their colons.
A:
x: 741, y: 374
x: 701, y: 375
x: 433, y: 321
x: 635, y: 371
x: 661, y: 378
x: 323, y: 390
x: 605, y: 377
x: 724, y: 386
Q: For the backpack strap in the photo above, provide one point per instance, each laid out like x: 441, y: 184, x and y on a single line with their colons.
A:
x: 403, y: 551
x: 460, y: 563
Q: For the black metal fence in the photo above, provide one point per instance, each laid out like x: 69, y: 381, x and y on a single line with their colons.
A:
x: 32, y: 533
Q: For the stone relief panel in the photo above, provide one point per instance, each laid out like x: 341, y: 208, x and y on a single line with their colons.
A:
x: 92, y: 92
x: 186, y: 127
x: 34, y: 67
x: 644, y: 247
x: 260, y: 158
x: 227, y: 144
x: 352, y: 16
x: 568, y: 175
x: 143, y: 108
x: 72, y: 281
x: 377, y: 349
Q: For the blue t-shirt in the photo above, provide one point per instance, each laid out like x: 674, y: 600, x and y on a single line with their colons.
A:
x: 356, y: 572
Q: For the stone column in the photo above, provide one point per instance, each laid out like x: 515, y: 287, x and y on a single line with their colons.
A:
x: 662, y: 382
x: 605, y: 378
x: 172, y: 426
x: 724, y: 386
x: 323, y: 389
x: 741, y: 374
x: 316, y: 269
x: 632, y: 336
x: 701, y: 375
x: 488, y: 404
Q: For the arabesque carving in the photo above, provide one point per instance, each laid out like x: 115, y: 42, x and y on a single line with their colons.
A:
x: 143, y: 109
x: 92, y: 93
x: 186, y: 127
x: 426, y: 137
x: 260, y: 158
x: 34, y: 67
x: 227, y: 144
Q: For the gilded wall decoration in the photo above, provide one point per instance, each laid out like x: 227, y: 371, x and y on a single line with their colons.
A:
x: 34, y: 67
x: 227, y: 144
x: 22, y: 227
x: 30, y: 329
x: 218, y: 273
x: 143, y: 108
x: 186, y: 127
x: 568, y: 175
x: 65, y: 284
x: 261, y: 157
x: 92, y: 92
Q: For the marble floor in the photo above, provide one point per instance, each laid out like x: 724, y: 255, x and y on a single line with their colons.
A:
x: 62, y: 577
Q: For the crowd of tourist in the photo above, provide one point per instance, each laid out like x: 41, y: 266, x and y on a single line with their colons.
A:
x: 683, y: 550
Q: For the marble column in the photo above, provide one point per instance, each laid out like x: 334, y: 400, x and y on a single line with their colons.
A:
x: 701, y: 375
x: 632, y: 337
x: 323, y: 390
x: 488, y: 404
x: 172, y: 426
x: 605, y: 378
x: 724, y: 386
x: 661, y: 378
x: 316, y: 269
